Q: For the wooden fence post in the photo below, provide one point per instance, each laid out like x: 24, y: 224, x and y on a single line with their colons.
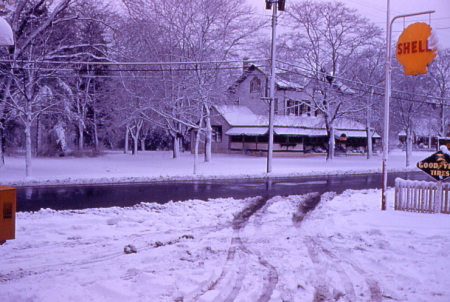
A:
x: 438, y: 199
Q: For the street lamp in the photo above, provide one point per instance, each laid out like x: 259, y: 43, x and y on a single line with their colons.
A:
x: 6, y: 33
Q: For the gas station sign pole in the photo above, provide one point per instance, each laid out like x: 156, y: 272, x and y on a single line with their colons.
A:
x: 387, y: 96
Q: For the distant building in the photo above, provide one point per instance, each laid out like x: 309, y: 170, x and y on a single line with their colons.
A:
x: 299, y: 128
x: 423, y: 134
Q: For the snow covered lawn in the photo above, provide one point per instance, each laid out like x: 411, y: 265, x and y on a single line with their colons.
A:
x: 115, y: 166
x: 218, y: 250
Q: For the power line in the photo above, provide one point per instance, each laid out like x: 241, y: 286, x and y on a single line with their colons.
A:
x: 131, y: 63
x: 202, y: 68
x: 364, y: 84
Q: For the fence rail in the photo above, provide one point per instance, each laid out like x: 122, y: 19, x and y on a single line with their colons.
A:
x: 422, y: 196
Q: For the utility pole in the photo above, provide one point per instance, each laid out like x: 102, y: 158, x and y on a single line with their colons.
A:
x: 279, y: 5
x: 387, y: 97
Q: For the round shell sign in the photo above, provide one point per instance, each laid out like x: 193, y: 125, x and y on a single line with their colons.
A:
x: 416, y: 48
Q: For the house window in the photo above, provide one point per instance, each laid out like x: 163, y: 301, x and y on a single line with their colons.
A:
x: 217, y: 134
x: 305, y: 108
x: 255, y: 85
x: 293, y: 107
x: 236, y: 138
x: 297, y: 107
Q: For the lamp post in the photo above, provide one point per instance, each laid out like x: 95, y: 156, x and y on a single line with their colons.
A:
x: 6, y: 34
x: 387, y: 96
x: 279, y: 5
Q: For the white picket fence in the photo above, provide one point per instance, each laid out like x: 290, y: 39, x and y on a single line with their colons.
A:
x: 422, y: 196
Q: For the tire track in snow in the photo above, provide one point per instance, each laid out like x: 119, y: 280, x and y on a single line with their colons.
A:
x: 336, y: 272
x: 235, y: 267
x: 99, y: 258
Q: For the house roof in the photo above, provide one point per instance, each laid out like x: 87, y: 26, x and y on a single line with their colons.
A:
x: 279, y: 82
x: 244, y: 121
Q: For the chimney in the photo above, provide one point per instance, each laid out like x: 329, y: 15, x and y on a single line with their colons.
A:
x: 245, y: 64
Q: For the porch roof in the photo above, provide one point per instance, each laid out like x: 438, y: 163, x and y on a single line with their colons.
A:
x: 247, y: 131
x: 355, y: 133
x: 299, y: 131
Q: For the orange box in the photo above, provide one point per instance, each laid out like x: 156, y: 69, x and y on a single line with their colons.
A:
x: 7, y: 213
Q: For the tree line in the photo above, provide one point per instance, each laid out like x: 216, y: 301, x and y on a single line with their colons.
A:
x: 84, y: 75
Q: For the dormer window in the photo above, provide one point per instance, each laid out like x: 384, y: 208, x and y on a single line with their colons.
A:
x: 255, y: 85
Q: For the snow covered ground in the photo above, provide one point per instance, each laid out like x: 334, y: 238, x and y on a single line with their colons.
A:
x: 248, y: 250
x: 150, y: 166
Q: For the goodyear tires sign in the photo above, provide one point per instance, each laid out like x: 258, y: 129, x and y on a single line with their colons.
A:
x: 437, y: 165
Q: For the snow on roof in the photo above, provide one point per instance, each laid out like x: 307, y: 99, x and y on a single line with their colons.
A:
x: 6, y: 34
x: 242, y: 119
x: 299, y: 121
x: 281, y: 83
x: 247, y: 131
x: 241, y: 116
x: 351, y: 133
x: 299, y: 131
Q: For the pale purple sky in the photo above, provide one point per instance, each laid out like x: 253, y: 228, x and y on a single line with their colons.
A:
x: 376, y: 12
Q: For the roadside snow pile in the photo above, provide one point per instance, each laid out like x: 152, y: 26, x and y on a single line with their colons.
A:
x: 344, y: 250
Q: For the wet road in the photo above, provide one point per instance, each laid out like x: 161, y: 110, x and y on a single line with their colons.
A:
x: 124, y: 195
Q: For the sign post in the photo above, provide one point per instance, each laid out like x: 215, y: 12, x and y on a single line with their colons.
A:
x: 387, y: 97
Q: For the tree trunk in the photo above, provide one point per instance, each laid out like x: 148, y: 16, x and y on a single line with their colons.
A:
x: 80, y: 136
x: 196, y: 144
x: 369, y: 142
x: 331, y: 144
x: 442, y: 120
x: 125, y: 148
x: 142, y: 143
x: 28, y: 120
x: 208, y: 135
x: 409, y: 140
x: 6, y: 92
x: 61, y: 137
x: 136, y: 134
x: 2, y: 146
x: 135, y: 145
x: 38, y: 136
x: 96, y: 144
x: 368, y: 129
x: 176, y: 146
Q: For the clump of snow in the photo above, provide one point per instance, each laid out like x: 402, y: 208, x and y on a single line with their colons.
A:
x: 344, y: 250
x: 129, y: 249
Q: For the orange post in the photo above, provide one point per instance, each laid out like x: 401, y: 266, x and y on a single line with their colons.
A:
x: 7, y: 213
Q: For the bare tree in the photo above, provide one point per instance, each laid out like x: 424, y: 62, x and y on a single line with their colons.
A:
x: 410, y: 107
x: 195, y: 31
x: 35, y: 88
x: 33, y: 24
x: 326, y: 38
x: 366, y: 76
x: 440, y: 75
